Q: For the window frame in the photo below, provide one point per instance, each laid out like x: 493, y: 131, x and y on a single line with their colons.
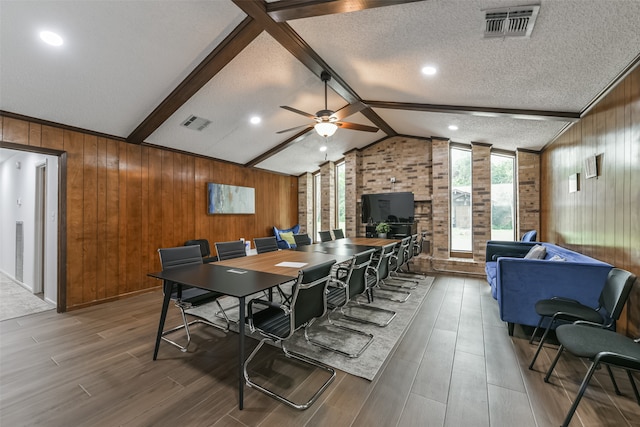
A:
x: 511, y: 155
x: 457, y: 253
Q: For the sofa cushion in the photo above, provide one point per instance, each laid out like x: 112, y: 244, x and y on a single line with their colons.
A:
x: 536, y: 252
x: 295, y: 230
x: 288, y: 237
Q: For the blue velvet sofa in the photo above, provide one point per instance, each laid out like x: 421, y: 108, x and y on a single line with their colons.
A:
x: 282, y: 244
x: 518, y: 283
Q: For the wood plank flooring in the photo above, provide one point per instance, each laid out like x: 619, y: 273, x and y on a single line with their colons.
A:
x: 455, y: 366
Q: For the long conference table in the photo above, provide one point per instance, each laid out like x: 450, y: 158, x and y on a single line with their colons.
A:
x: 239, y: 278
x: 245, y: 276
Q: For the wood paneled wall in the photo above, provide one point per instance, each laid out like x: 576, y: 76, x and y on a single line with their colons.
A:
x: 125, y: 201
x: 602, y: 219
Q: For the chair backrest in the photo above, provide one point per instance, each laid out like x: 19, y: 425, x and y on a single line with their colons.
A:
x: 309, y: 297
x: 616, y: 291
x: 401, y: 253
x: 229, y: 250
x: 302, y: 239
x: 266, y: 244
x: 325, y: 236
x: 356, y: 278
x: 205, y: 249
x: 338, y: 234
x: 385, y: 255
x: 411, y: 247
x: 529, y: 236
x: 179, y: 256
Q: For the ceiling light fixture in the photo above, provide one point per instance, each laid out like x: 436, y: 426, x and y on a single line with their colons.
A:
x: 453, y: 127
x: 325, y: 129
x: 429, y: 71
x: 51, y: 38
x: 255, y: 120
x: 323, y: 148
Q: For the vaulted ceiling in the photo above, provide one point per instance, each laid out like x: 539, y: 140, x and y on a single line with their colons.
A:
x: 138, y: 69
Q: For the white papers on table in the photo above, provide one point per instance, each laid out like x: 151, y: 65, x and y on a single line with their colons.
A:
x: 291, y: 264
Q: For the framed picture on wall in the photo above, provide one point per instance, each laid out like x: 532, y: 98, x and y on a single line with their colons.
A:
x: 590, y: 167
x: 230, y: 199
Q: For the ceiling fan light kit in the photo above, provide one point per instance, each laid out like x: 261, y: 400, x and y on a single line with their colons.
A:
x: 327, y: 120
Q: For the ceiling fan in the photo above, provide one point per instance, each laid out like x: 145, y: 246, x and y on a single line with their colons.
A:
x: 327, y: 121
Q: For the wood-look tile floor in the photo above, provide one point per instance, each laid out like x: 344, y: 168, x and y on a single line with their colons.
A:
x: 455, y: 366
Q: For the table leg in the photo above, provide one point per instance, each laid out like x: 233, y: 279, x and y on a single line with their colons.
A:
x: 241, y: 323
x: 166, y: 286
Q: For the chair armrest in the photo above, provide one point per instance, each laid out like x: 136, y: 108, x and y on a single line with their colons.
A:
x: 587, y: 323
x: 616, y: 359
x: 565, y: 299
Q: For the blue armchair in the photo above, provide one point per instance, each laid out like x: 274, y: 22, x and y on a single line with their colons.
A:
x: 282, y: 244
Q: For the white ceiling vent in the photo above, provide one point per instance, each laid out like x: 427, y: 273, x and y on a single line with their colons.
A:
x: 196, y: 123
x: 516, y: 21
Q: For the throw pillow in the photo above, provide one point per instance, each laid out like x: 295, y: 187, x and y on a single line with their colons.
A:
x: 557, y: 258
x: 536, y: 252
x: 288, y: 237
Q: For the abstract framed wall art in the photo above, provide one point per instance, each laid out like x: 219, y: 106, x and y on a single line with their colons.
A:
x: 230, y: 199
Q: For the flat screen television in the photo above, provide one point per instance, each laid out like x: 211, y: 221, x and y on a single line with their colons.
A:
x: 387, y: 207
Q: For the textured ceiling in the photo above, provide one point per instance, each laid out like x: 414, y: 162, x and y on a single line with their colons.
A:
x: 121, y: 59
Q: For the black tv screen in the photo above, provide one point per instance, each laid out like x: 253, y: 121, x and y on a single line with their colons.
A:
x: 387, y: 207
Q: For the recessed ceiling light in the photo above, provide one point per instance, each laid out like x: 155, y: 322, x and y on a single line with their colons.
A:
x: 453, y: 127
x: 429, y: 70
x: 323, y: 148
x: 51, y: 38
x: 255, y: 120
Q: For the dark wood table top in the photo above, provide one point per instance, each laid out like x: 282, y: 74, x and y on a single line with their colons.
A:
x: 363, y: 241
x: 343, y: 250
x: 236, y: 282
x: 268, y: 262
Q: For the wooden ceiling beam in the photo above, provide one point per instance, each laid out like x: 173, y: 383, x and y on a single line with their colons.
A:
x: 278, y: 148
x: 230, y: 47
x: 286, y: 10
x: 563, y: 116
x: 291, y: 41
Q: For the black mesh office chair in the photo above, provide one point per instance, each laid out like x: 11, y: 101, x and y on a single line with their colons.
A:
x: 338, y: 234
x: 397, y: 261
x: 266, y: 244
x: 614, y: 295
x: 277, y: 322
x: 230, y: 250
x: 186, y: 297
x: 302, y: 239
x: 325, y: 236
x: 349, y: 282
x: 376, y: 286
x: 205, y: 249
x: 600, y: 346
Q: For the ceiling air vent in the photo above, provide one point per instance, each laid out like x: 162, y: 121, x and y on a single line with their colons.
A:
x: 196, y: 123
x: 514, y: 21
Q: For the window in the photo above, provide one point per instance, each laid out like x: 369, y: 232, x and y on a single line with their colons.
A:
x: 502, y: 197
x: 460, y: 175
x: 317, y: 208
x: 340, y: 196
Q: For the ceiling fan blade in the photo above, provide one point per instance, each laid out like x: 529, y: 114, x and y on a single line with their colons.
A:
x: 356, y: 126
x: 295, y: 128
x: 349, y: 110
x: 302, y: 113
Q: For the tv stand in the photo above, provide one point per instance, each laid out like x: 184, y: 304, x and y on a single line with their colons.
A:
x: 398, y: 230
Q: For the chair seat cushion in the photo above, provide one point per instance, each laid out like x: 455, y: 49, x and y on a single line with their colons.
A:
x: 196, y: 297
x: 272, y: 321
x: 336, y: 297
x: 576, y: 311
x: 587, y: 341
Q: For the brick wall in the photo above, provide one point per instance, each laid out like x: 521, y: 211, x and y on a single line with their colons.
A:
x: 305, y: 202
x: 528, y: 197
x: 481, y: 198
x: 353, y: 182
x: 328, y: 196
x: 440, y: 215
